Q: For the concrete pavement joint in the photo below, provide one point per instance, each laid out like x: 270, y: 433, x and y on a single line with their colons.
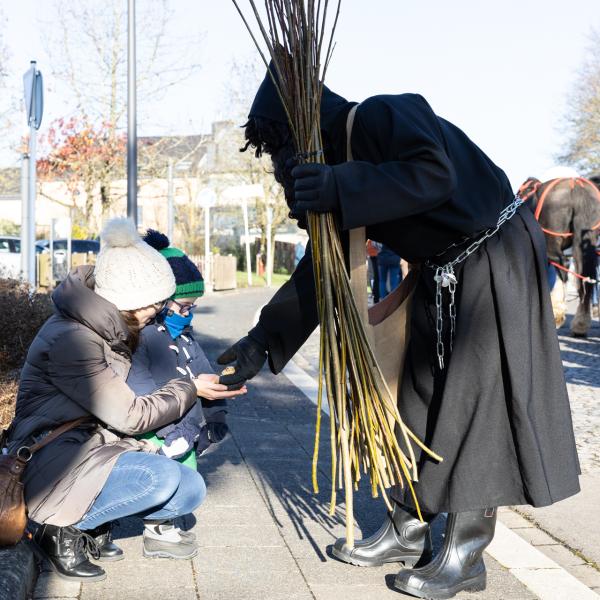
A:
x: 574, y: 551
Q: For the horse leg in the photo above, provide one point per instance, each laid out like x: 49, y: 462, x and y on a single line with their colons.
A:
x: 559, y: 305
x: 584, y: 253
x: 558, y: 292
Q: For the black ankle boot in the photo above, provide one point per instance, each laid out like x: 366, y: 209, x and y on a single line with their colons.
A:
x: 66, y: 550
x: 108, y: 550
x: 402, y: 538
x: 459, y: 566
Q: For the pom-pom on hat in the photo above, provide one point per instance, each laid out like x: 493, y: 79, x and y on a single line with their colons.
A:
x: 129, y: 273
x: 188, y: 279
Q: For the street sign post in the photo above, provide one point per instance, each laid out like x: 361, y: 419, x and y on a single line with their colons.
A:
x: 207, y: 199
x: 34, y: 107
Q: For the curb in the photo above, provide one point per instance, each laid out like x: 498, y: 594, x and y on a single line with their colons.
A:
x: 18, y: 572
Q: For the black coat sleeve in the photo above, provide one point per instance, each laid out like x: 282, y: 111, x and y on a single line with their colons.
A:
x: 401, y: 167
x: 291, y: 315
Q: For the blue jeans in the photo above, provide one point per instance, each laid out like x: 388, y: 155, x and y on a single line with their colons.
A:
x: 394, y: 272
x: 147, y: 485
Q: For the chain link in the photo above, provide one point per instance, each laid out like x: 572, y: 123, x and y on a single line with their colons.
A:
x: 445, y: 277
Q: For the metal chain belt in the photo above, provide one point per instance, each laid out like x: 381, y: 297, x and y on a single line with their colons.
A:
x: 446, y: 278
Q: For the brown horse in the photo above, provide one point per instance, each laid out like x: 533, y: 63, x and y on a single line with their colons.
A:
x: 568, y: 210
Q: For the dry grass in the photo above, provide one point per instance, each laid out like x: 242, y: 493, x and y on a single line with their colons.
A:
x: 9, y: 382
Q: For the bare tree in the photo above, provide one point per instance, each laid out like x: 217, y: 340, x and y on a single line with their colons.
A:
x: 88, y: 44
x: 583, y: 117
x: 243, y: 84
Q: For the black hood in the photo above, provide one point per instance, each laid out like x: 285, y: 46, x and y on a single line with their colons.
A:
x: 334, y: 109
x: 76, y: 299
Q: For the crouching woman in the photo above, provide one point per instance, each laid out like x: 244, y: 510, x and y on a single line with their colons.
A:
x: 77, y: 366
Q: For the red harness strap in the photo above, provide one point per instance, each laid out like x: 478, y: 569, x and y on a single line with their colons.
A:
x: 582, y: 277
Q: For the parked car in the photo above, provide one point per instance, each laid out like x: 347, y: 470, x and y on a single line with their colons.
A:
x: 60, y: 246
x: 59, y: 268
x: 10, y: 256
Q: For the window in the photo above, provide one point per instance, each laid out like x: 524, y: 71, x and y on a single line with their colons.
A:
x: 4, y: 246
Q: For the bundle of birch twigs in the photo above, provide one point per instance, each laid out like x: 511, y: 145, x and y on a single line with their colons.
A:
x: 298, y: 35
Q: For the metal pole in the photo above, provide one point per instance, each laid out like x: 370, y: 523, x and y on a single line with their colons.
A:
x: 25, y: 246
x: 207, y: 254
x: 69, y: 246
x: 170, y: 200
x: 52, y: 279
x: 131, y: 116
x: 269, y: 249
x: 31, y: 205
x: 247, y: 241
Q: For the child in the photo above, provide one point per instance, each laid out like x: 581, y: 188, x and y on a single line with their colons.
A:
x: 168, y: 350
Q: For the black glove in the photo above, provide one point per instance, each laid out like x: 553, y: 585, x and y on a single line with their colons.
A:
x: 248, y: 355
x: 314, y: 189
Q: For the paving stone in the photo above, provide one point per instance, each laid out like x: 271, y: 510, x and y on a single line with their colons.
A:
x: 125, y: 592
x: 563, y: 556
x: 333, y: 571
x: 586, y: 574
x: 238, y: 536
x: 250, y: 560
x: 139, y: 579
x: 251, y: 585
x: 50, y: 585
x: 353, y: 592
x: 239, y: 515
x: 535, y: 536
x: 514, y: 520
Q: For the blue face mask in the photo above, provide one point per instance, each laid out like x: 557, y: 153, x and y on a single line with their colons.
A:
x: 176, y: 323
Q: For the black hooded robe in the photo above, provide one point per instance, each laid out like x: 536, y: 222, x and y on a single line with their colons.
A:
x: 499, y: 412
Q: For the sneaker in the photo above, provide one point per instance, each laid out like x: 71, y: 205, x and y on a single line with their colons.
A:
x: 211, y: 435
x: 163, y: 540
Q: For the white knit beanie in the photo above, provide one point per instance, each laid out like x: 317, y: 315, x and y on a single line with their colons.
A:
x: 129, y: 273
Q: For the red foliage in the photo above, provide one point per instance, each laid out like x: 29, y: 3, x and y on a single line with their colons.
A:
x: 79, y: 151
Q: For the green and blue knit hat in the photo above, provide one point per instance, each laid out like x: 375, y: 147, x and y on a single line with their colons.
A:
x: 188, y: 279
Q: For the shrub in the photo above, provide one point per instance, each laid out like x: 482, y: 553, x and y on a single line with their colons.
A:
x: 9, y: 384
x: 22, y: 313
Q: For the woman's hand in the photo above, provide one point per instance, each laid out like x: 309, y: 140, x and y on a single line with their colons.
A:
x: 208, y: 387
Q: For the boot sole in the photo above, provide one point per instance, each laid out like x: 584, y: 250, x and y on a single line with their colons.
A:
x: 111, y: 558
x: 43, y: 558
x: 164, y: 554
x: 409, y: 561
x: 477, y: 584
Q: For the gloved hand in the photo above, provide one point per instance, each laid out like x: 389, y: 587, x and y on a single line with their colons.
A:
x: 248, y: 355
x: 315, y: 189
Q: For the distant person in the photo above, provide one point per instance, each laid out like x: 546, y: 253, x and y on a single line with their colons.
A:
x: 299, y: 251
x: 389, y: 268
x: 372, y: 252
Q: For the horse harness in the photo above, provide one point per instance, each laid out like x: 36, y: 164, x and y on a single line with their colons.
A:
x: 574, y: 181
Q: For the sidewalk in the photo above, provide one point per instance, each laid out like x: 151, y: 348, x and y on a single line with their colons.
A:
x: 263, y: 534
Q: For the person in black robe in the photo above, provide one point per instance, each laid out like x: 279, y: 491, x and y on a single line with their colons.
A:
x: 495, y: 406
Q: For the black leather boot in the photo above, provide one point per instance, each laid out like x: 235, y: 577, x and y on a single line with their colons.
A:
x: 459, y: 566
x: 66, y: 550
x: 402, y: 538
x: 108, y: 550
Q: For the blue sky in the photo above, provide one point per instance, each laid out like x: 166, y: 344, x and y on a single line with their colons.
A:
x: 499, y: 70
